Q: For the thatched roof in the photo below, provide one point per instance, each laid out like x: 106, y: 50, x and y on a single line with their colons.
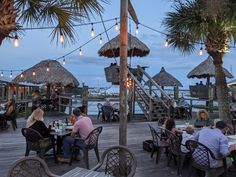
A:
x: 135, y: 47
x: 206, y: 69
x: 164, y: 78
x: 57, y: 74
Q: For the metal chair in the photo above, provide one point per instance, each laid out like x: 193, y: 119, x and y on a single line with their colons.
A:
x: 201, y: 156
x: 175, y: 151
x: 107, y: 113
x: 159, y: 143
x: 92, y: 143
x: 99, y: 106
x: 117, y: 161
x: 35, y: 142
x: 28, y: 167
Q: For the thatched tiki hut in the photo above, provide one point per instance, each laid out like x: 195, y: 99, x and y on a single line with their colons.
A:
x: 165, y: 79
x: 49, y: 72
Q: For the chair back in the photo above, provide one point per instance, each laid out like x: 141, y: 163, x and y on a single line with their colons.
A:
x: 201, y: 155
x: 107, y: 112
x: 31, y: 135
x: 99, y: 106
x: 174, y: 142
x: 116, y: 106
x: 92, y: 138
x: 156, y: 136
x: 28, y: 167
x: 119, y: 161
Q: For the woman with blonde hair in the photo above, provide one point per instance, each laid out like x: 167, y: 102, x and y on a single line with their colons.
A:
x: 203, y: 119
x: 35, y: 121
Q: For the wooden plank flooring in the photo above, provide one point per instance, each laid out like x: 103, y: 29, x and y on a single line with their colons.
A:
x: 12, y: 147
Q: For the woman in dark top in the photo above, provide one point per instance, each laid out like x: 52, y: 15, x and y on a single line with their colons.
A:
x: 35, y: 121
x: 203, y: 119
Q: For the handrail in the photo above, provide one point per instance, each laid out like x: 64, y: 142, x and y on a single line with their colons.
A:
x: 154, y: 83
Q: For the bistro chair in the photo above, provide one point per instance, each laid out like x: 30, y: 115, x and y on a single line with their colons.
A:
x: 99, y: 106
x: 107, y: 113
x: 201, y: 156
x: 92, y: 143
x: 35, y: 142
x: 158, y: 143
x: 175, y: 151
x: 28, y: 167
x: 117, y: 161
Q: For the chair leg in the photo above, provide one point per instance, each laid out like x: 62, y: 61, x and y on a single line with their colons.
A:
x: 27, y: 151
x: 86, y: 158
x: 54, y: 151
x: 97, y: 153
x: 180, y: 164
x: 153, y: 150
x: 169, y: 158
x: 159, y: 151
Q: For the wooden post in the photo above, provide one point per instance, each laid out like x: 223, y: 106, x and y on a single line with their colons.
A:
x: 48, y: 90
x: 123, y: 71
x: 85, y: 97
x: 176, y: 92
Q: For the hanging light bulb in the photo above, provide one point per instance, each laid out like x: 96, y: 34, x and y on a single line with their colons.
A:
x: 100, y: 40
x: 2, y: 74
x: 137, y: 29
x: 166, y: 42
x: 48, y: 69
x: 16, y: 41
x: 64, y: 61
x: 21, y: 75
x: 61, y: 38
x: 80, y: 52
x: 34, y: 73
x: 11, y: 75
x: 92, y: 31
x: 200, y: 53
x: 116, y: 26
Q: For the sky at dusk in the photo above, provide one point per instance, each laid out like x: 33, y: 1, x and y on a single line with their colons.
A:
x: 89, y: 68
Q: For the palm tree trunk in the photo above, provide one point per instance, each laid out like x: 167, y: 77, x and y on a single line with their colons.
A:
x: 221, y: 89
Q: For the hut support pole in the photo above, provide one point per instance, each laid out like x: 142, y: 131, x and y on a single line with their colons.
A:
x: 123, y: 72
x: 48, y: 90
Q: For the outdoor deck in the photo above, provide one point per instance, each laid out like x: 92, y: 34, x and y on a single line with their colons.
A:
x: 12, y: 147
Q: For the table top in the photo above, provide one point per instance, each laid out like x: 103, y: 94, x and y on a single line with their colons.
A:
x: 232, y: 137
x: 60, y: 133
x: 82, y: 172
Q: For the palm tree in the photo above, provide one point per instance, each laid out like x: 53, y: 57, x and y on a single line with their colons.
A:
x: 59, y: 13
x: 211, y: 23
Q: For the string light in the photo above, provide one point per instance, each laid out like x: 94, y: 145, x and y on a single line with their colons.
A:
x: 2, y: 74
x: 33, y: 73
x: 129, y: 82
x: 166, y: 42
x: 100, y: 39
x: 116, y: 26
x: 200, y: 53
x: 48, y: 69
x: 137, y: 29
x: 92, y: 31
x: 11, y: 75
x: 80, y: 52
x: 16, y: 41
x: 21, y: 75
x: 61, y: 38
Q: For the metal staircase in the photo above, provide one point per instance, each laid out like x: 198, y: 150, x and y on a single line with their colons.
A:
x: 151, y: 98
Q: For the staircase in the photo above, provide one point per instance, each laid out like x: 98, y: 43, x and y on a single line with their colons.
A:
x: 151, y: 98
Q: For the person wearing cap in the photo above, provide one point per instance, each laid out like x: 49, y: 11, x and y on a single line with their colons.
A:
x: 218, y: 143
x: 83, y: 126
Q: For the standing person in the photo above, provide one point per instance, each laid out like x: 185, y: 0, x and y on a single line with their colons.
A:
x: 218, y: 144
x: 83, y: 126
x: 36, y: 100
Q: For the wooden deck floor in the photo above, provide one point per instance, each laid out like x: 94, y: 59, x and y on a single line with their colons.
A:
x: 12, y: 147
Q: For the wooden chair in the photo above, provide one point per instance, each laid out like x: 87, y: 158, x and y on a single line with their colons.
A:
x: 117, y: 161
x: 158, y: 143
x: 99, y: 106
x: 28, y: 167
x: 201, y: 156
x: 35, y: 142
x: 92, y: 143
x: 175, y: 151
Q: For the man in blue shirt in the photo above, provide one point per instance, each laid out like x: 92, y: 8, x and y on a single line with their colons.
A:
x: 217, y: 142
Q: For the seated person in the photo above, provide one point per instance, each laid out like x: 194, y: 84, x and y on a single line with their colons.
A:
x: 217, y: 143
x: 182, y: 105
x: 35, y: 121
x: 10, y: 108
x: 203, y: 119
x: 170, y: 125
x: 83, y: 126
x: 187, y: 135
x: 107, y: 110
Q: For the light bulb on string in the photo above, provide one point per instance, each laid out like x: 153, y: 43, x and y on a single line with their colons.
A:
x: 61, y: 38
x: 11, y: 75
x: 2, y: 74
x: 200, y: 53
x: 92, y: 31
x: 116, y: 26
x: 166, y: 42
x: 64, y: 61
x: 48, y: 68
x: 137, y: 29
x: 100, y: 39
x: 80, y: 52
x: 16, y: 41
x: 21, y: 75
x: 33, y: 73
